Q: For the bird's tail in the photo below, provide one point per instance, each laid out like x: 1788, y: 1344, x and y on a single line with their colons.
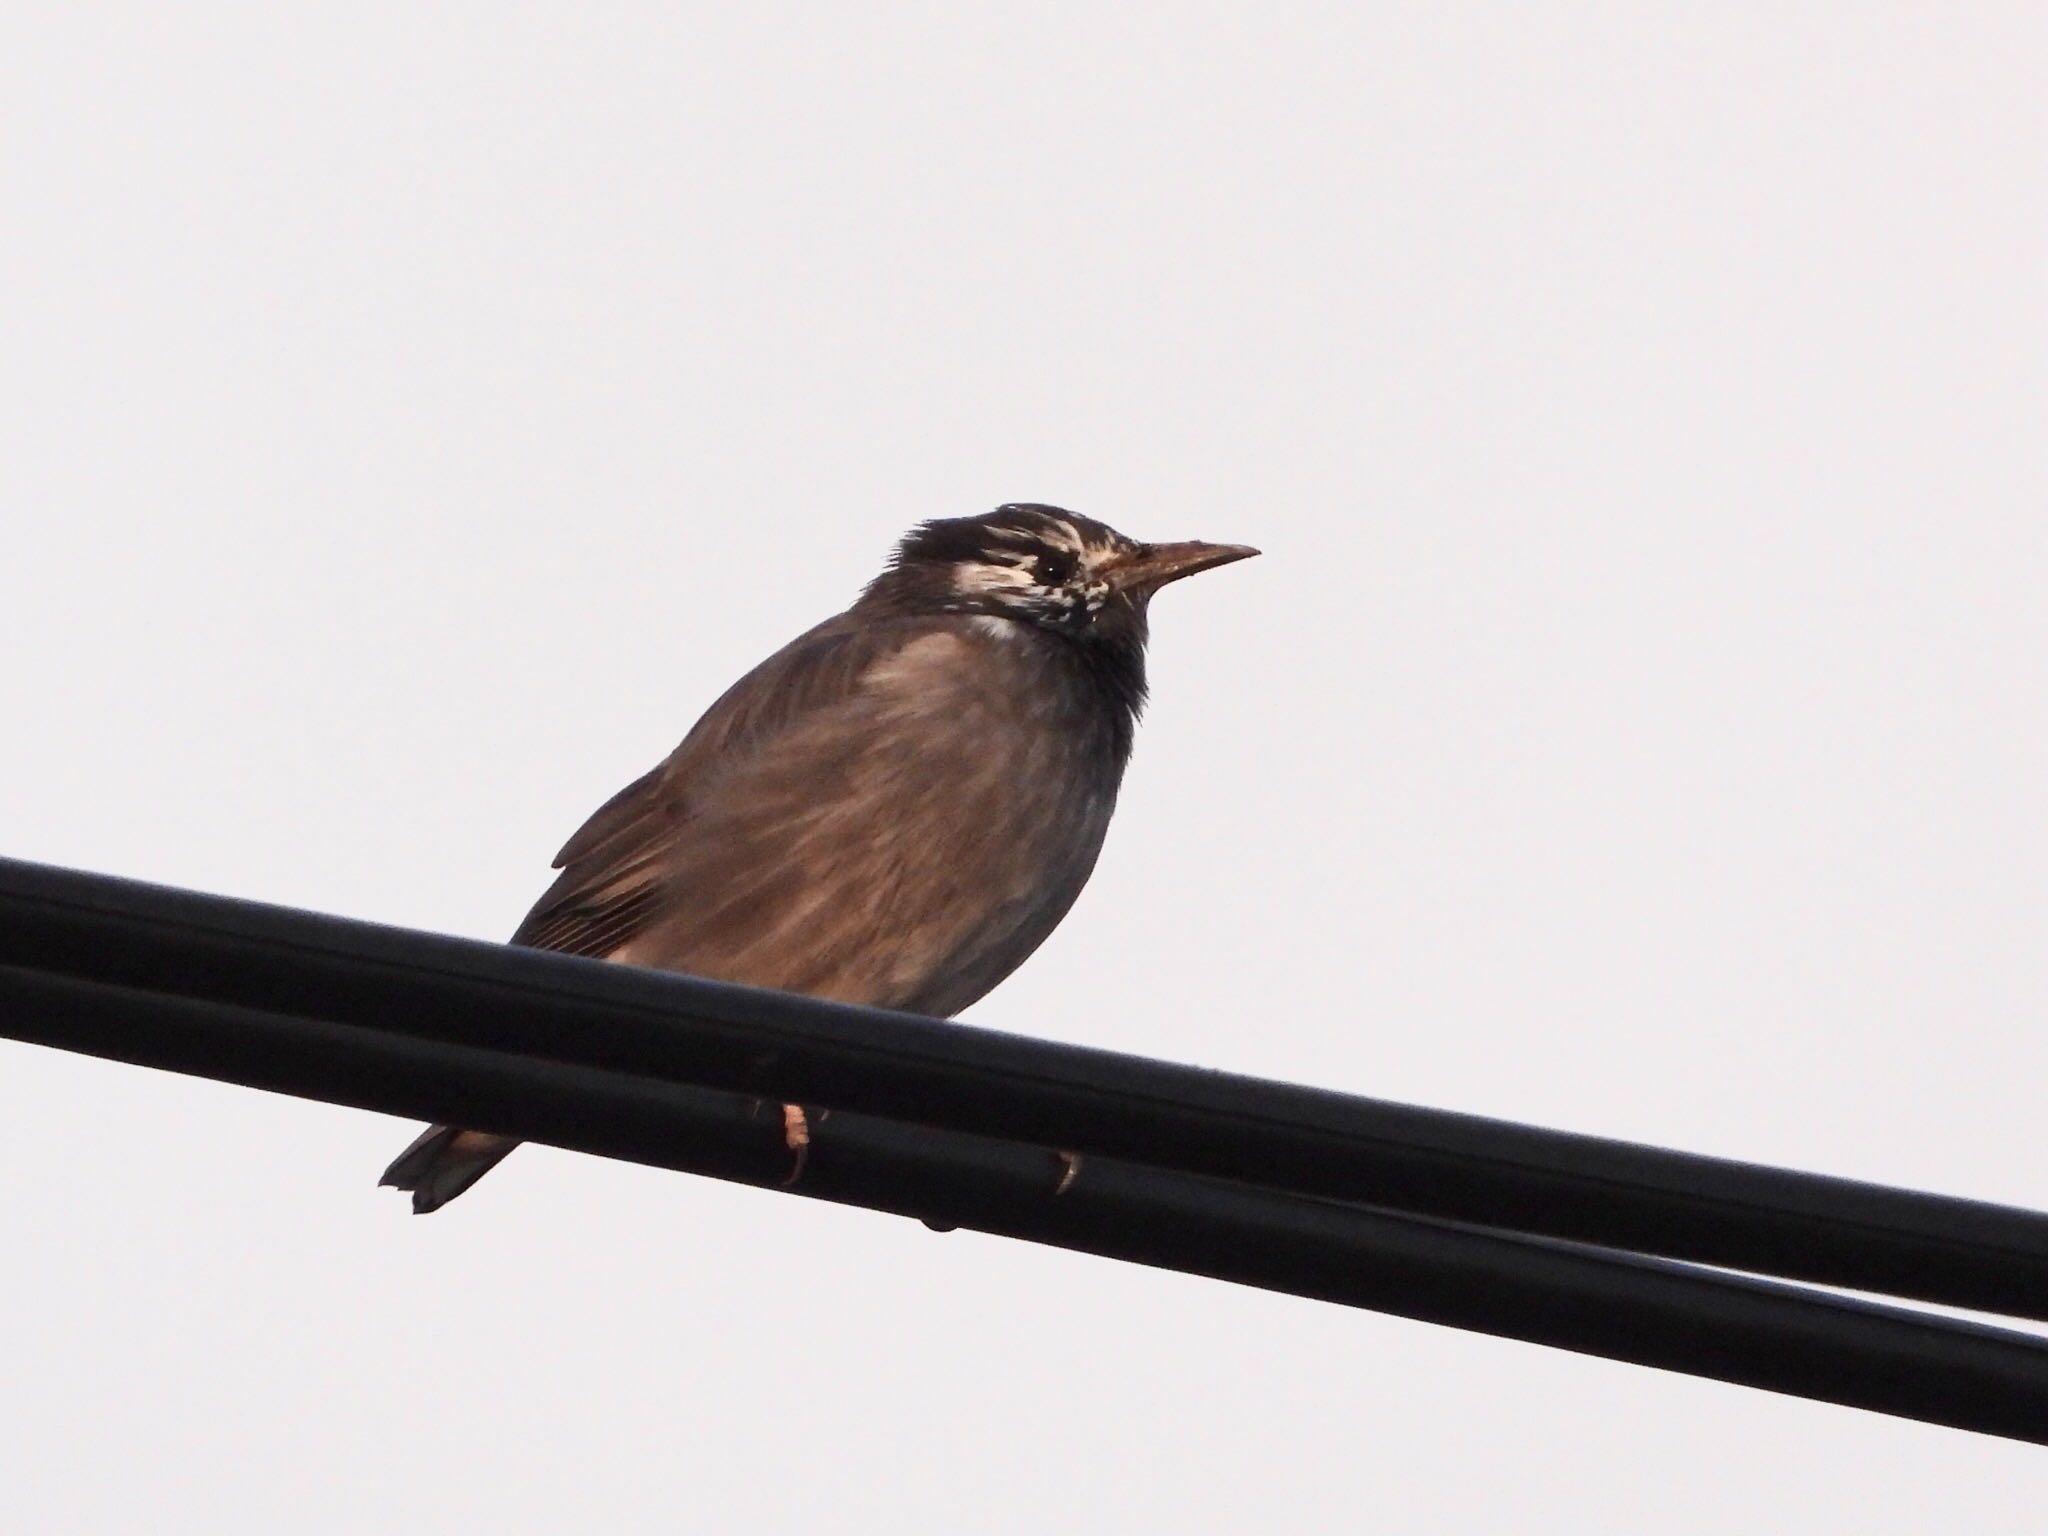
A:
x: 444, y: 1162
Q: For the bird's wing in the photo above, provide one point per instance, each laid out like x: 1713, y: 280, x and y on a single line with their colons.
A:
x: 613, y: 871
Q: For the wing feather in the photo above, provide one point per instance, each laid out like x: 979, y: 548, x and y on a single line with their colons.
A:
x: 614, y: 872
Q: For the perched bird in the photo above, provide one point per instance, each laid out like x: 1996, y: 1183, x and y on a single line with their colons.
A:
x: 895, y: 809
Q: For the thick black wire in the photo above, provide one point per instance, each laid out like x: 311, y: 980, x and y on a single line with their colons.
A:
x: 455, y: 992
x: 1623, y: 1307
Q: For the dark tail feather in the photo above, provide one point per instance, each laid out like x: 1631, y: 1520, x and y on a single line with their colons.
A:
x: 444, y: 1162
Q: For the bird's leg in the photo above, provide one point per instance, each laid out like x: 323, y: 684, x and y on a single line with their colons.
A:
x: 796, y: 1135
x: 1070, y: 1170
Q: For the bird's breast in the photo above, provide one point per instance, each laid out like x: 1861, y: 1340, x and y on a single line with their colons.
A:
x: 910, y: 849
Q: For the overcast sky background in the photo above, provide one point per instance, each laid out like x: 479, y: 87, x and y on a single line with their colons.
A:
x: 412, y: 416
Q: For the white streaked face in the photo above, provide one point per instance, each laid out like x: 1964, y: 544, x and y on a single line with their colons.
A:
x: 1040, y: 566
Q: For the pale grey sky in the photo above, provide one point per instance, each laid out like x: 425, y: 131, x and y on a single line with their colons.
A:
x: 410, y: 417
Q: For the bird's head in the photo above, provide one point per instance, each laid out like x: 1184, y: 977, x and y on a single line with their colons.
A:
x: 1043, y: 566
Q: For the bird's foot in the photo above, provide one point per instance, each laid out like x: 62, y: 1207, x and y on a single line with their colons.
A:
x: 1070, y: 1170
x: 796, y: 1135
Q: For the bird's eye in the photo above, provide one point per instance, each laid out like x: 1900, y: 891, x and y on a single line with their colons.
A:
x: 1053, y: 570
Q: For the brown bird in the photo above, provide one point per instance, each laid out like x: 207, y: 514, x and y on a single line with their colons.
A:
x: 895, y: 809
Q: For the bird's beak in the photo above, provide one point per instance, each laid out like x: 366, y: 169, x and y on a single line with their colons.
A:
x: 1152, y: 566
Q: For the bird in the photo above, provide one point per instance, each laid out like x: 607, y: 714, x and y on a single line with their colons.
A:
x: 895, y: 809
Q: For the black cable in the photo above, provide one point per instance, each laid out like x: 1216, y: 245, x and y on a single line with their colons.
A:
x: 772, y: 1045
x: 1644, y: 1311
